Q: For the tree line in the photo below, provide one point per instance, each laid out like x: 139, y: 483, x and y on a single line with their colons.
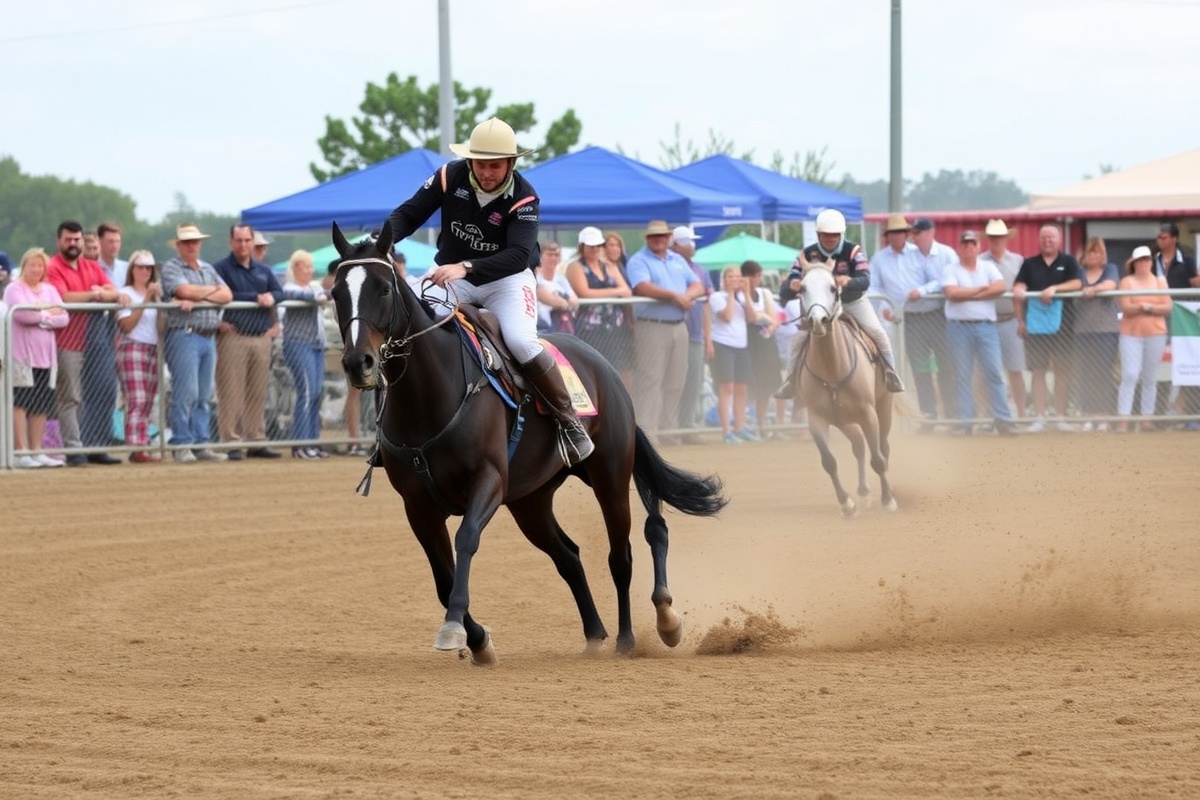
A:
x: 399, y: 115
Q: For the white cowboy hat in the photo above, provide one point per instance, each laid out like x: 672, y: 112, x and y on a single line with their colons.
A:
x: 492, y: 139
x: 996, y: 227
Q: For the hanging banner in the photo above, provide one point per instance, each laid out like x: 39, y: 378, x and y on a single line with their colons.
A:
x: 1185, y: 343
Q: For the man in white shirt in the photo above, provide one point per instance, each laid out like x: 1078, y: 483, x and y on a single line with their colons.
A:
x: 971, y: 287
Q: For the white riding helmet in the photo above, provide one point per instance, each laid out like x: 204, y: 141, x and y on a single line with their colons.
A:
x: 831, y: 221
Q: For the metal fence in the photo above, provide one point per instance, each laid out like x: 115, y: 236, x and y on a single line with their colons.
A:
x: 1083, y: 392
x: 101, y: 412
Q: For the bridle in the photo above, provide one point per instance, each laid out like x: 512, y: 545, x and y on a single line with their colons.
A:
x: 834, y: 312
x: 395, y: 347
x: 401, y: 347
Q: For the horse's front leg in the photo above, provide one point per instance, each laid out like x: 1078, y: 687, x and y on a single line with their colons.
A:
x: 428, y: 523
x: 819, y: 428
x: 483, y: 499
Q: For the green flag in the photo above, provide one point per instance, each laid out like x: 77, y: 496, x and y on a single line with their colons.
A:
x: 1185, y: 343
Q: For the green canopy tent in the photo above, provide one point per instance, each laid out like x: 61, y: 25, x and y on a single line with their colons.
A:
x: 745, y: 247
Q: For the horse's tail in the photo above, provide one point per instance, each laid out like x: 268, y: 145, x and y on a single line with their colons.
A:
x: 658, y: 482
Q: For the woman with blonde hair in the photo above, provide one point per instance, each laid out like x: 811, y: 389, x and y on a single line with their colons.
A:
x: 34, y: 354
x: 304, y: 353
x: 137, y: 352
x: 731, y: 367
x: 1096, y: 330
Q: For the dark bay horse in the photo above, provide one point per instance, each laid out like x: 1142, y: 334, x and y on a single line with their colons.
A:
x: 841, y: 386
x: 445, y: 443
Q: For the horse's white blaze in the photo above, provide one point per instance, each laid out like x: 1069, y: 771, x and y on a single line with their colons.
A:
x: 355, y: 278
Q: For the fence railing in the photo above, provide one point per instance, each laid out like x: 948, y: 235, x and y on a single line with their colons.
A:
x: 1083, y: 392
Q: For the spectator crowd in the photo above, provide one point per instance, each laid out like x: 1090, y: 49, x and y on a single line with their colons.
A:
x: 982, y: 329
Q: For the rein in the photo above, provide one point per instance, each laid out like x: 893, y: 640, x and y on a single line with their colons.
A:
x: 834, y: 314
x: 401, y: 348
x: 395, y: 347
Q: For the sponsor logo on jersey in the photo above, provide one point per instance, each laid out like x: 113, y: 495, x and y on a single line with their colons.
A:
x: 462, y: 194
x: 494, y: 218
x: 470, y: 233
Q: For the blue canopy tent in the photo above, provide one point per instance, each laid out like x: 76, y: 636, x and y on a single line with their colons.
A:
x: 360, y: 200
x: 784, y: 199
x: 595, y: 186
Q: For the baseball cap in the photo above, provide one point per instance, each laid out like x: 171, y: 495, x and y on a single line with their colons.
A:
x: 922, y: 224
x: 969, y: 236
x: 683, y: 235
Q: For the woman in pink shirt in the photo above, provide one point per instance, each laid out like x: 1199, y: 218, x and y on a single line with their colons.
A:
x: 34, y: 345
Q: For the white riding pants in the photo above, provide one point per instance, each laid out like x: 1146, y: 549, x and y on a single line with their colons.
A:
x: 864, y: 314
x: 512, y: 299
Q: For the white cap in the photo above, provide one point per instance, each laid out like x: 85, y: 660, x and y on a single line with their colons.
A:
x: 684, y: 235
x: 1139, y: 252
x: 591, y: 236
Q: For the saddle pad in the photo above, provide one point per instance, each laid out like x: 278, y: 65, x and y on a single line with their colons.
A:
x: 584, y: 407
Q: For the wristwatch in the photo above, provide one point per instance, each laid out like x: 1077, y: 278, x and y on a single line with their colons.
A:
x: 468, y: 266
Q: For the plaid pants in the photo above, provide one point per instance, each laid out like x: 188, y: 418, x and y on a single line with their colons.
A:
x: 137, y: 369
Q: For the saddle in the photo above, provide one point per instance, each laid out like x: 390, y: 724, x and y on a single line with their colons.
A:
x: 480, y: 329
x: 863, y: 337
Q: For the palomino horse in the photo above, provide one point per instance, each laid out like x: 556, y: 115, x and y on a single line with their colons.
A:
x: 453, y: 446
x: 840, y: 386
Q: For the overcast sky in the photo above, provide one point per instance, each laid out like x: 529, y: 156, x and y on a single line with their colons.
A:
x: 1039, y: 91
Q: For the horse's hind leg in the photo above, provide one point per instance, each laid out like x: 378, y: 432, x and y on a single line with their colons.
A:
x: 858, y: 445
x: 668, y: 623
x: 610, y: 485
x: 534, y: 515
x: 877, y: 439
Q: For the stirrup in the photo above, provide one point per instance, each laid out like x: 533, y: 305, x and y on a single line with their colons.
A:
x: 891, y: 379
x: 574, y: 444
x: 787, y: 391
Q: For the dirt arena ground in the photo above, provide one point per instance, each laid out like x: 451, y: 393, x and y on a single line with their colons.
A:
x: 1027, y: 625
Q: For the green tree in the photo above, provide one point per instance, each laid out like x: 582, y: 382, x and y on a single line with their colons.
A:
x: 874, y: 194
x: 678, y: 153
x: 814, y: 167
x: 956, y: 191
x: 31, y: 207
x: 400, y: 116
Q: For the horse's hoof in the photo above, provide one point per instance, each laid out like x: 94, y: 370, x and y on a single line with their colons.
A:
x: 670, y: 625
x: 451, y: 636
x: 625, y: 645
x: 849, y: 509
x: 593, y: 648
x: 890, y: 504
x: 485, y: 656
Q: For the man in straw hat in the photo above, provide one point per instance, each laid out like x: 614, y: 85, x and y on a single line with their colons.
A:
x: 660, y: 337
x: 190, y: 345
x: 487, y: 253
x: 1012, y: 346
x: 259, y: 247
